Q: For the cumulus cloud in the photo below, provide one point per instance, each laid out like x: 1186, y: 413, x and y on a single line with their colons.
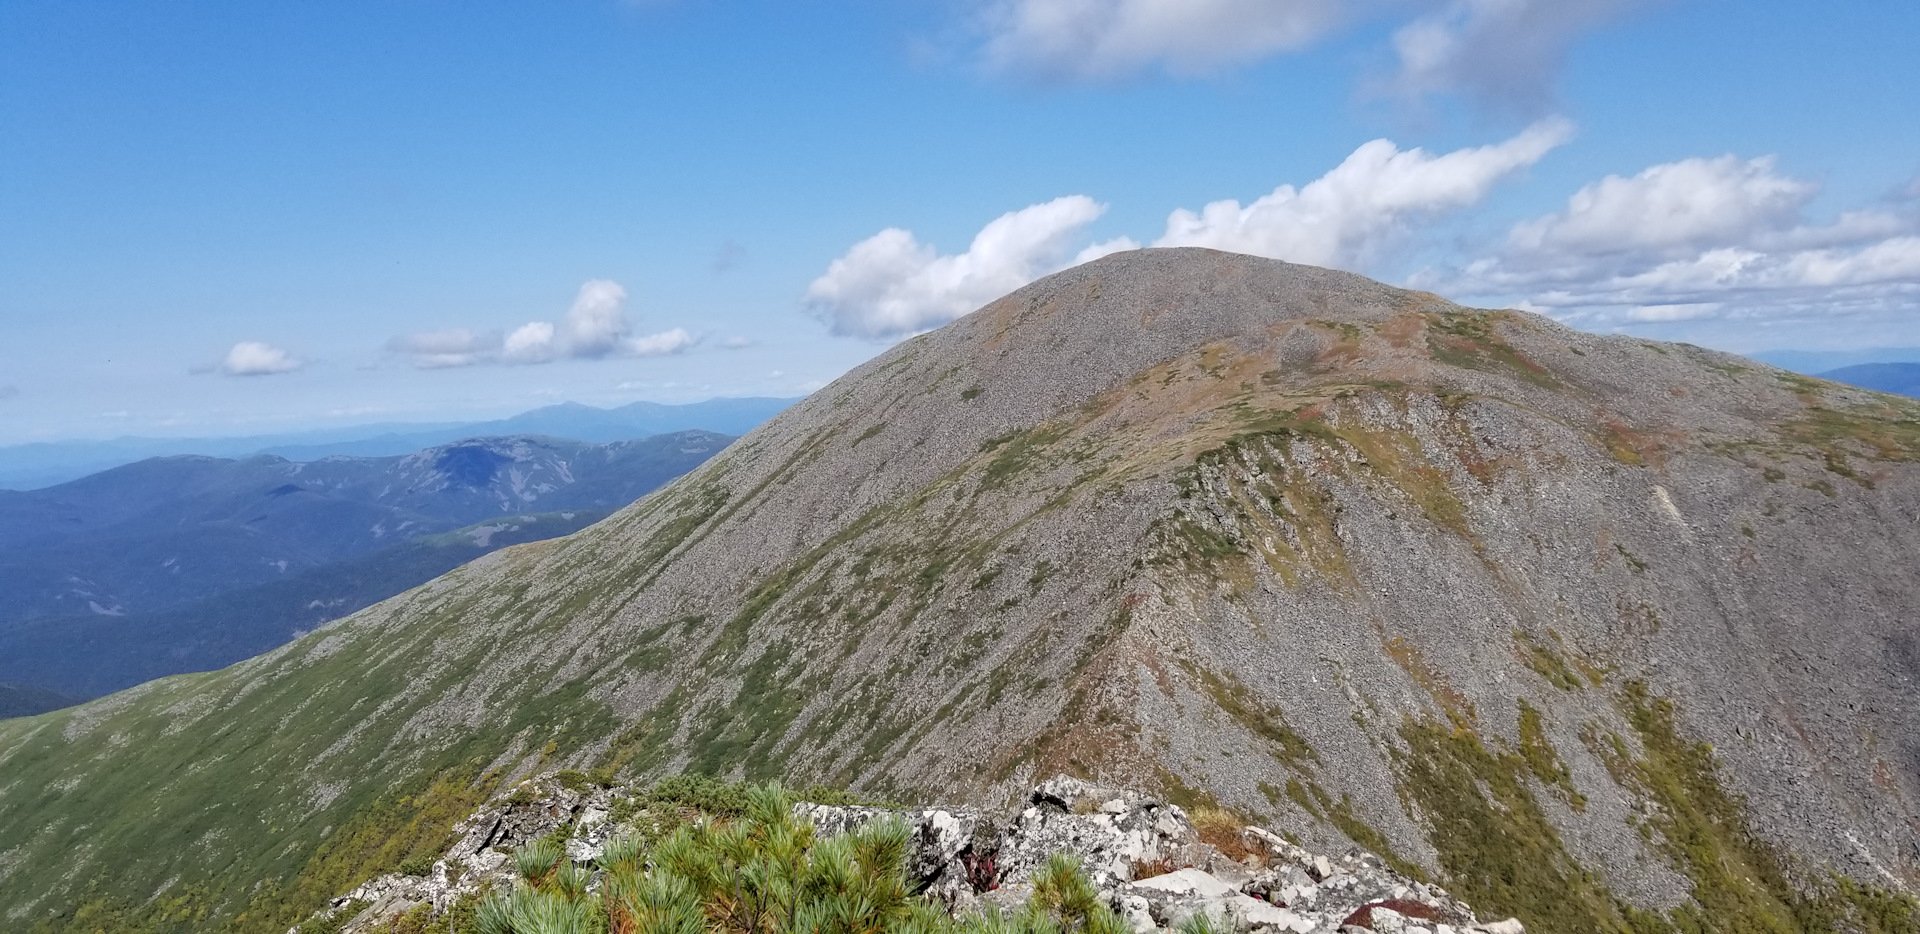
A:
x: 1340, y: 218
x: 1673, y: 206
x: 597, y: 322
x: 255, y: 358
x: 1500, y: 50
x: 1701, y: 240
x: 594, y: 327
x: 1097, y: 39
x: 893, y: 284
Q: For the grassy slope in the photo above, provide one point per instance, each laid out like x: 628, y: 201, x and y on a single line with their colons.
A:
x: 217, y: 810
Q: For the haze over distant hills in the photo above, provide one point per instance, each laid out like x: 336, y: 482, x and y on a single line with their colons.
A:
x: 41, y: 464
x: 1605, y: 633
x: 1901, y: 378
x: 1813, y: 362
x: 186, y: 563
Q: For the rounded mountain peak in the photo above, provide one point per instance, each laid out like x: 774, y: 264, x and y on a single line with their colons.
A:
x: 1062, y: 341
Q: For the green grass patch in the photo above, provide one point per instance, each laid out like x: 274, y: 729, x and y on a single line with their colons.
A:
x: 1471, y: 340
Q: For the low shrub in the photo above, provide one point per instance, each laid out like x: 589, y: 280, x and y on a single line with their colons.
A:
x: 759, y: 868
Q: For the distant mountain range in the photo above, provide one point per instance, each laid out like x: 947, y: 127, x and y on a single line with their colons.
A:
x: 186, y: 563
x: 42, y: 464
x: 17, y: 701
x: 1812, y: 362
x: 1900, y: 378
x: 90, y: 655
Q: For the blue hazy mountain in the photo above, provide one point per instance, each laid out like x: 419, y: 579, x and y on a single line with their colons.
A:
x: 183, y: 563
x: 1901, y: 378
x: 1816, y: 362
x: 41, y: 464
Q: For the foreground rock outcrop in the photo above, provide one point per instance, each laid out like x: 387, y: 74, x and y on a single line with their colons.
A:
x: 1145, y: 857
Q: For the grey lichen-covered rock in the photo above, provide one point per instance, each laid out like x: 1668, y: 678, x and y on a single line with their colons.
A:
x: 966, y: 859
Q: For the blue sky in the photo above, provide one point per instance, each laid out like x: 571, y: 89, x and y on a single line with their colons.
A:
x: 224, y: 218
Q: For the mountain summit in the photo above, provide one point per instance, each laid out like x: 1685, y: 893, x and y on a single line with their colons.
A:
x: 1597, y: 631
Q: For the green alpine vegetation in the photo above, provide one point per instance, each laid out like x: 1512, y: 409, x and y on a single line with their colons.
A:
x: 761, y: 871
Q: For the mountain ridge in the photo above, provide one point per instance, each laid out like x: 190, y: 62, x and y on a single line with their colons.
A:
x: 1277, y: 538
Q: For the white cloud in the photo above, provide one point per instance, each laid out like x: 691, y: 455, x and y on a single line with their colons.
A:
x: 1097, y: 39
x: 1680, y: 204
x: 1707, y: 241
x: 892, y: 284
x: 1340, y: 218
x: 594, y: 327
x: 1501, y: 50
x: 661, y: 344
x: 597, y: 322
x: 532, y: 342
x: 737, y: 342
x: 254, y: 358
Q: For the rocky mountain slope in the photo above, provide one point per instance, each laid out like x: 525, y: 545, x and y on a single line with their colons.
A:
x: 1595, y: 631
x: 190, y: 563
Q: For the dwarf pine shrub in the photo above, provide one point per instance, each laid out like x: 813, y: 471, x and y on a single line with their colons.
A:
x: 537, y: 861
x: 764, y: 871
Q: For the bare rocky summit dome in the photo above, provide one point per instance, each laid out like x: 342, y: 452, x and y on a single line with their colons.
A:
x: 1590, y: 630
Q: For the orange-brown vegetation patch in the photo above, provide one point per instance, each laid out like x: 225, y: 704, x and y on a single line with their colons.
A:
x: 1431, y: 679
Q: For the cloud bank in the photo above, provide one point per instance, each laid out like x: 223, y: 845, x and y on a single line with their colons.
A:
x: 1707, y: 241
x: 1704, y: 238
x: 595, y: 327
x: 1714, y: 241
x: 893, y: 284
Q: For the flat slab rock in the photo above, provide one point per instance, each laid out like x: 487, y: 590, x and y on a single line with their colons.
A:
x: 1143, y: 855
